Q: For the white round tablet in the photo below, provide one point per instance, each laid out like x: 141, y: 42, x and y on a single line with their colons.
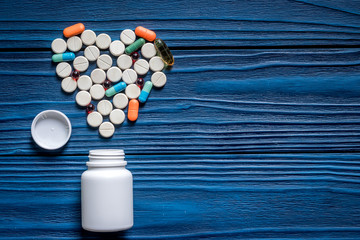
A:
x: 120, y: 100
x: 156, y: 64
x: 117, y: 116
x: 68, y: 85
x: 141, y: 67
x: 97, y: 91
x: 117, y: 48
x: 88, y: 37
x: 148, y: 50
x: 129, y: 76
x: 63, y: 69
x: 104, y: 62
x: 124, y: 62
x: 58, y: 45
x: 84, y: 82
x: 104, y: 107
x: 81, y: 63
x: 106, y: 129
x: 158, y: 79
x: 127, y: 36
x: 103, y: 41
x: 98, y: 75
x: 94, y: 119
x: 92, y: 53
x: 132, y: 91
x: 114, y: 74
x: 74, y: 44
x: 83, y: 98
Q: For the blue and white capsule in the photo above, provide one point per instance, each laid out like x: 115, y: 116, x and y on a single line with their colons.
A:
x: 145, y: 91
x: 63, y: 57
x: 115, y: 89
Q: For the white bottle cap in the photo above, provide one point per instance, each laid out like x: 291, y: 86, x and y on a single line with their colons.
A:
x: 51, y: 129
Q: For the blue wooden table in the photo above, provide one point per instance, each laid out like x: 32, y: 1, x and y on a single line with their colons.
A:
x: 255, y: 136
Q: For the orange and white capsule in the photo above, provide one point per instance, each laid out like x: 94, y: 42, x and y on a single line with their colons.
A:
x: 133, y: 110
x: 145, y: 33
x: 73, y: 30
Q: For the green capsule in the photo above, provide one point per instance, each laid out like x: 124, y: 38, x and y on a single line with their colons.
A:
x: 135, y: 46
x: 164, y: 52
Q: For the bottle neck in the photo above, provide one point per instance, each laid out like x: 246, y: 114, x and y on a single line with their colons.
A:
x: 106, y: 158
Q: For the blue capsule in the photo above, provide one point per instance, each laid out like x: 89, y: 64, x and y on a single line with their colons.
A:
x: 115, y: 89
x: 61, y: 57
x: 145, y: 91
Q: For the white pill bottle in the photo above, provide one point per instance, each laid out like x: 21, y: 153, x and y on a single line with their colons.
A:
x: 106, y: 192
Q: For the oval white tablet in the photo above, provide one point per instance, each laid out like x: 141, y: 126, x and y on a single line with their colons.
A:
x: 84, y: 82
x: 83, y: 98
x: 94, y: 119
x: 68, y: 85
x: 114, y: 74
x: 98, y: 75
x: 103, y: 41
x: 97, y: 91
x: 132, y: 91
x: 124, y: 62
x: 92, y: 53
x: 158, y: 79
x: 117, y: 116
x: 127, y: 36
x: 81, y: 63
x: 106, y: 129
x: 104, y: 107
x: 88, y: 37
x: 74, y: 44
x: 156, y: 64
x: 58, y: 45
x: 63, y: 69
x: 104, y: 62
x: 117, y: 48
x: 120, y: 100
x: 141, y: 67
x: 129, y: 76
x: 148, y: 50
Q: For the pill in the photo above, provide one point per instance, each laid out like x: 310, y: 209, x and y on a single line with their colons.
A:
x: 91, y: 53
x: 106, y: 129
x: 98, y: 75
x: 107, y: 84
x: 81, y: 63
x: 88, y: 37
x: 75, y: 75
x: 114, y: 74
x: 68, y: 85
x: 104, y: 62
x: 120, y: 100
x: 129, y: 76
x: 163, y: 51
x: 145, y: 91
x: 156, y: 64
x: 83, y: 98
x: 117, y: 48
x: 133, y: 110
x: 135, y: 56
x: 135, y: 46
x: 74, y: 44
x: 97, y: 91
x: 148, y: 50
x: 115, y: 89
x: 84, y: 83
x: 132, y: 91
x: 141, y: 67
x: 103, y: 41
x: 94, y: 119
x: 127, y: 36
x: 124, y: 62
x: 117, y: 116
x: 90, y: 108
x: 145, y: 33
x: 140, y: 83
x: 158, y: 79
x: 63, y: 57
x: 63, y: 69
x: 74, y: 30
x: 58, y: 45
x: 104, y: 107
